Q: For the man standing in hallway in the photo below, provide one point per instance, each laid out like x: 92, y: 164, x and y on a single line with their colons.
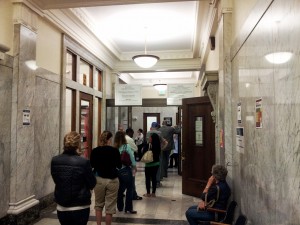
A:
x: 130, y: 141
x: 167, y: 133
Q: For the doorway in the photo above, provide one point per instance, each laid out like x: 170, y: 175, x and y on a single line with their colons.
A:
x: 198, y: 144
x: 148, y: 119
x: 86, y: 124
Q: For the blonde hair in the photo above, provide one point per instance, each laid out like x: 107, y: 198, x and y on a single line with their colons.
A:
x: 104, y: 137
x: 71, y: 141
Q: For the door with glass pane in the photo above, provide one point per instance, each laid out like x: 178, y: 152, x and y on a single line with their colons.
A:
x: 86, y: 124
x: 198, y: 144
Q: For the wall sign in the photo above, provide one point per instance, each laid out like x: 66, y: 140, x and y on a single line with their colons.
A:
x: 240, y: 144
x: 26, y: 117
x: 176, y: 92
x: 127, y: 94
x: 258, y: 113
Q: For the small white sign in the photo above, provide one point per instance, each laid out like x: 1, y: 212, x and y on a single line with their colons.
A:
x: 26, y: 117
x: 240, y: 144
x: 239, y: 112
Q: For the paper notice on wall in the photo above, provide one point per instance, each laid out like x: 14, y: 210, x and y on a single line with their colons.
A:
x: 258, y: 113
x: 26, y: 117
x: 239, y: 112
x: 240, y: 144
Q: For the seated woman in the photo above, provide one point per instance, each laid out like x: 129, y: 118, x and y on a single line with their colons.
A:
x: 216, y: 191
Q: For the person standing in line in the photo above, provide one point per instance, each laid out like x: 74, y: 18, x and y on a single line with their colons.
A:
x: 152, y: 167
x: 125, y: 175
x: 163, y: 144
x: 139, y: 141
x: 167, y: 133
x: 130, y: 141
x: 106, y: 161
x: 174, y: 156
x: 74, y: 180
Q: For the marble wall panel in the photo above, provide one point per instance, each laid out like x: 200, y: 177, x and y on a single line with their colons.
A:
x: 46, y: 133
x: 5, y: 135
x: 22, y: 150
x: 267, y: 174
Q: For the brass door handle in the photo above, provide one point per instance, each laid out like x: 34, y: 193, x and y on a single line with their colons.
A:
x: 182, y: 158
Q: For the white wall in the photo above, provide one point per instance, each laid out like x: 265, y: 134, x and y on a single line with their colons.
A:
x: 49, y: 47
x: 6, y: 34
x: 241, y: 11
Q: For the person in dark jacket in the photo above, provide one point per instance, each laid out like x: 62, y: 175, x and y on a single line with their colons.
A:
x: 152, y: 167
x: 215, y: 195
x: 74, y: 180
x: 106, y: 161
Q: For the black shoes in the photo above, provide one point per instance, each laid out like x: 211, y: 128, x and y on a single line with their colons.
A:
x: 131, y: 211
x: 137, y: 198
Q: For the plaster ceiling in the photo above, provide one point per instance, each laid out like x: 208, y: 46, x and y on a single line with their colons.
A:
x: 170, y: 30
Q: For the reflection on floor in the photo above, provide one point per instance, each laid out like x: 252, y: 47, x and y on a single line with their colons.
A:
x: 167, y: 208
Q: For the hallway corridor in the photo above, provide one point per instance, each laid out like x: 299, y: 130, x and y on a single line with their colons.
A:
x: 167, y: 208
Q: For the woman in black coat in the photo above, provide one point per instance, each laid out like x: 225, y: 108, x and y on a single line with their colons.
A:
x: 74, y: 180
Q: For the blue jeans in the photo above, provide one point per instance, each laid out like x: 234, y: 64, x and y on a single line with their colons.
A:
x: 126, y: 183
x: 75, y: 217
x: 193, y: 215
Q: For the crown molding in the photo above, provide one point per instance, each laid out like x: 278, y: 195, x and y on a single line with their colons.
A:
x: 161, y: 66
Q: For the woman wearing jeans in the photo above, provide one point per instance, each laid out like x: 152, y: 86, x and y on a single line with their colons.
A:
x: 125, y: 175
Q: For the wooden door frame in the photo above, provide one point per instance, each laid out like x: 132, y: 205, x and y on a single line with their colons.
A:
x: 145, y: 115
x: 89, y: 98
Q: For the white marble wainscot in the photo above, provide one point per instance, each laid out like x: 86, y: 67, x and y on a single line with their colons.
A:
x: 267, y: 174
x: 22, y: 136
x: 46, y: 129
x: 224, y: 156
x: 6, y: 71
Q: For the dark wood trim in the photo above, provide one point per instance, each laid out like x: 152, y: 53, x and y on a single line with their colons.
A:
x: 99, y: 117
x: 151, y: 102
x: 73, y: 111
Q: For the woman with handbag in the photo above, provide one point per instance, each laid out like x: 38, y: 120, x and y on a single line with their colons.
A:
x: 125, y: 173
x: 215, y: 195
x: 151, y: 168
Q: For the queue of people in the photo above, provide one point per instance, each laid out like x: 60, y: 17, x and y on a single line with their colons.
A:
x: 113, y: 180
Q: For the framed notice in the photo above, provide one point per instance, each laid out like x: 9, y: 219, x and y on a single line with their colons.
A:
x: 176, y: 92
x: 127, y: 94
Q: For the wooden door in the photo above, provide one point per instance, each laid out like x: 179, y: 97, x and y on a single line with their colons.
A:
x: 198, y: 144
x: 86, y: 123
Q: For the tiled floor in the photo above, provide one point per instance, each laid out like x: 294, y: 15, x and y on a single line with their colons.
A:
x: 167, y: 208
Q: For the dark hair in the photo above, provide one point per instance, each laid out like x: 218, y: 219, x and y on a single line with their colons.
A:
x: 120, y: 139
x: 140, y: 130
x: 129, y: 130
x: 155, y: 141
x: 219, y: 172
x: 104, y: 137
x: 71, y: 141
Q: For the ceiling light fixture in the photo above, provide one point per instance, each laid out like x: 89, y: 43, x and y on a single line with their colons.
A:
x: 145, y: 60
x: 278, y: 57
x: 160, y: 87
